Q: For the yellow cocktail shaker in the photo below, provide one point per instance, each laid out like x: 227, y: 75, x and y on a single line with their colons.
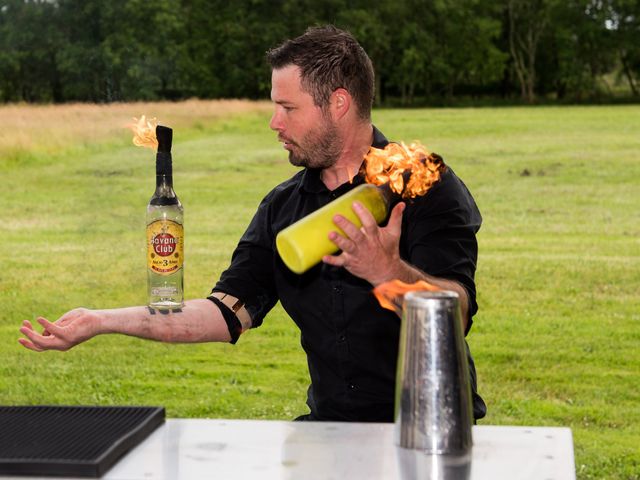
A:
x: 304, y: 243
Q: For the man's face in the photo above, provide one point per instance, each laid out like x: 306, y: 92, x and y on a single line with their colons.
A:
x: 306, y: 131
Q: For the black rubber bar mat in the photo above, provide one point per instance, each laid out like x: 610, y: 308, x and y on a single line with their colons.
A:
x: 71, y: 441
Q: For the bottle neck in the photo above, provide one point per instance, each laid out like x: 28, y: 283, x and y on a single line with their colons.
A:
x: 164, y: 165
x: 164, y: 181
x: 164, y: 194
x: 164, y: 171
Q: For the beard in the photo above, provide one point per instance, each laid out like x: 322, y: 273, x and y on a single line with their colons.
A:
x: 319, y: 148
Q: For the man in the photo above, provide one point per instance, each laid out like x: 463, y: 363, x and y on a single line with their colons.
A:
x: 322, y: 90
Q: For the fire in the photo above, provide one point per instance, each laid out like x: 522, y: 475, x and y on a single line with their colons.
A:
x: 390, y: 163
x: 390, y: 294
x: 144, y: 132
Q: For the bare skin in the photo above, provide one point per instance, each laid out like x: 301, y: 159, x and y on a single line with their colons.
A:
x: 334, y: 139
x: 199, y: 321
x: 383, y: 243
x: 298, y: 120
x: 294, y: 113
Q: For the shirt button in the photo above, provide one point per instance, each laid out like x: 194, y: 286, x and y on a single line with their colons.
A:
x: 352, y: 386
x: 342, y: 338
x: 337, y: 289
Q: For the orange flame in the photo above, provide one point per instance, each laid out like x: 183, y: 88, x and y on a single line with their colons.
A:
x: 389, y: 164
x: 144, y: 132
x: 390, y: 294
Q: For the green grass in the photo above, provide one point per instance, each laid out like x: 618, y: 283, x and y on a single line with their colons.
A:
x: 556, y: 340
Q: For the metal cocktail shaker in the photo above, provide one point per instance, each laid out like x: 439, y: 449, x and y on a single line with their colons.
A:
x: 433, y: 411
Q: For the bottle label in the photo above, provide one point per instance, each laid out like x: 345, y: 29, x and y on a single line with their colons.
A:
x: 165, y: 246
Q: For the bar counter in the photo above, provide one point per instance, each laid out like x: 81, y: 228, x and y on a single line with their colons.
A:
x: 198, y: 449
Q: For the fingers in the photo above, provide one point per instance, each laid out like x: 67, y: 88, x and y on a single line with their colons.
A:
x: 394, y: 225
x: 368, y: 222
x: 34, y: 340
x: 335, y: 260
x: 360, y: 246
x: 39, y: 342
x: 49, y: 327
x: 27, y: 344
x: 349, y: 229
x: 26, y: 326
x: 344, y: 244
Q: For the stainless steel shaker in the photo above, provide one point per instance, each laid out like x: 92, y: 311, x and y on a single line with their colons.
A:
x: 433, y: 410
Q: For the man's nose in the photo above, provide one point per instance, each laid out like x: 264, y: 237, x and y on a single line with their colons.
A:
x: 275, y: 123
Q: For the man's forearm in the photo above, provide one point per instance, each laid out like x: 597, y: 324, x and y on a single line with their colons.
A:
x: 198, y: 321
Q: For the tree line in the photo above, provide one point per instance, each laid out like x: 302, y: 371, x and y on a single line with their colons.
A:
x: 423, y: 50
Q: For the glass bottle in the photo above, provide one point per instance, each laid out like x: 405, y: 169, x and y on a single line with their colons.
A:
x: 165, y: 233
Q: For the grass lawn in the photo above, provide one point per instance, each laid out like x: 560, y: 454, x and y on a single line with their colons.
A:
x: 557, y: 337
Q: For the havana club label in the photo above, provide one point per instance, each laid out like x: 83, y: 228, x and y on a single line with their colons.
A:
x: 165, y: 246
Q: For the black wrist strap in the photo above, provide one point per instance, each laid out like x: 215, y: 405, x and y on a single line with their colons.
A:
x: 233, y: 324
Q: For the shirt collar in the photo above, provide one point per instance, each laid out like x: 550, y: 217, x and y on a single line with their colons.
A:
x: 379, y: 140
x: 311, y: 181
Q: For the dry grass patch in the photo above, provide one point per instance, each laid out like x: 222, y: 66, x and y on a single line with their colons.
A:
x: 50, y: 129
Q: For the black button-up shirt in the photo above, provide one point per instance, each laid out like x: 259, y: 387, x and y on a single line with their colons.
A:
x: 350, y: 341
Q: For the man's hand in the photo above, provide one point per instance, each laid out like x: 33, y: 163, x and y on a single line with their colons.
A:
x: 370, y: 252
x: 71, y: 329
x: 373, y: 254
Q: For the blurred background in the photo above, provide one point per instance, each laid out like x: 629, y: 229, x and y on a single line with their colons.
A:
x: 426, y: 52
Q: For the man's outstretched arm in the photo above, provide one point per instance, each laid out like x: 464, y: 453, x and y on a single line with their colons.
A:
x: 200, y: 320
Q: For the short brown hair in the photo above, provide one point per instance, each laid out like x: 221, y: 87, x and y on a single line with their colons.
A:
x: 329, y: 58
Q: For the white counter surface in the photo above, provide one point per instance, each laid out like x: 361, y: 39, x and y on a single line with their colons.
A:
x: 198, y: 449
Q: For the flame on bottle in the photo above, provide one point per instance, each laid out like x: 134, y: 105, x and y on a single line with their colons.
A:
x: 389, y: 163
x: 144, y: 132
x: 391, y: 294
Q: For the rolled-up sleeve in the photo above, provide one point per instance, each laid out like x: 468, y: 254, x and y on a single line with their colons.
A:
x: 250, y: 277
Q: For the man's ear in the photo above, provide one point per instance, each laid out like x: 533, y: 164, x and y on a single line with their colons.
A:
x: 341, y: 103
